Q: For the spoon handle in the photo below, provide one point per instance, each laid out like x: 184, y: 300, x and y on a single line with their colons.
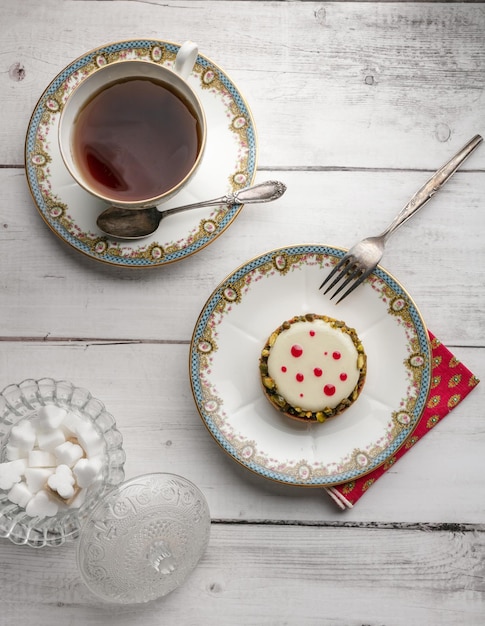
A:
x: 262, y: 192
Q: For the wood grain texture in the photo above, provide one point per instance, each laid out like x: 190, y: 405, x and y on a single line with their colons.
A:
x: 146, y: 387
x: 267, y: 575
x: 355, y: 104
x: 330, y: 84
x: 51, y: 290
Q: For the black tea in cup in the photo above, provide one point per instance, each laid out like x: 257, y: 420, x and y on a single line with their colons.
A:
x: 136, y: 138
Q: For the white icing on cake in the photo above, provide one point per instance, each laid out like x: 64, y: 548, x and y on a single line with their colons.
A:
x: 313, y: 365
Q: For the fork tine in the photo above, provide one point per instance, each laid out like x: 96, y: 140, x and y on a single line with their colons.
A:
x: 358, y: 282
x: 353, y: 273
x: 342, y: 264
x: 348, y: 270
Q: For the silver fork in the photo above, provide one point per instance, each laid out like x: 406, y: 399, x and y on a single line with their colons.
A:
x: 362, y: 259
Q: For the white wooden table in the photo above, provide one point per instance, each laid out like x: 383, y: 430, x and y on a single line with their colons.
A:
x: 355, y: 105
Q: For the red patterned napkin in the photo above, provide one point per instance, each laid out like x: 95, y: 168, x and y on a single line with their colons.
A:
x: 451, y: 382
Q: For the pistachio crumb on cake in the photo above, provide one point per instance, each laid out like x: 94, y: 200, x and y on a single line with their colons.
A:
x: 313, y: 367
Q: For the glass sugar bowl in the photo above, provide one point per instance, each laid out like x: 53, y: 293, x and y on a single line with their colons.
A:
x: 60, y: 453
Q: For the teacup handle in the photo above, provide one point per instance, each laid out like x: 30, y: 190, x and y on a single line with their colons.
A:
x: 186, y: 58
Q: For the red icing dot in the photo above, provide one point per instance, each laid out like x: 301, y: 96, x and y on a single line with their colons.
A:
x: 296, y: 350
x: 283, y: 368
x: 299, y: 377
x: 343, y: 376
x: 329, y: 390
x: 312, y: 333
x: 336, y: 355
x: 301, y: 395
x: 325, y: 353
x: 318, y: 372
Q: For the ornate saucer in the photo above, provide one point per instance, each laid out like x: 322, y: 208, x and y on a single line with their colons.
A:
x: 224, y: 369
x: 229, y: 164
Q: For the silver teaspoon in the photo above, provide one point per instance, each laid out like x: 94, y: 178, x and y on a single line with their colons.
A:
x: 139, y: 223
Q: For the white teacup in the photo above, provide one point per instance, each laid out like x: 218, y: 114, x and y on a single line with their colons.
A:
x: 133, y: 132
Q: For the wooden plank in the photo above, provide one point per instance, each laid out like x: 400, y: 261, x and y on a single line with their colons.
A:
x: 146, y: 387
x: 270, y: 575
x: 50, y: 290
x: 330, y: 84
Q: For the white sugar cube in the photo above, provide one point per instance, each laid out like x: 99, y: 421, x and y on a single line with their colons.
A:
x: 41, y: 505
x: 72, y: 423
x: 36, y: 477
x: 11, y: 472
x: 41, y: 458
x: 50, y: 439
x: 78, y: 500
x: 23, y: 435
x: 62, y: 481
x: 90, y: 440
x: 13, y: 453
x: 20, y: 494
x: 51, y: 416
x: 87, y: 471
x: 68, y: 453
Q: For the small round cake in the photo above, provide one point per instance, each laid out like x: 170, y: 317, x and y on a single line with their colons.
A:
x: 313, y: 367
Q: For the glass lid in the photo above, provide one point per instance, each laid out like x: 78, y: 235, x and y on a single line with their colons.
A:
x: 144, y: 538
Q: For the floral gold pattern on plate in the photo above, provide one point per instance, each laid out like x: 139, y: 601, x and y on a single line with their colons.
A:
x: 229, y: 164
x: 224, y: 360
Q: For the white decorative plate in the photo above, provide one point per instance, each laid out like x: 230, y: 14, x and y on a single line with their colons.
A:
x: 229, y: 164
x: 224, y: 369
